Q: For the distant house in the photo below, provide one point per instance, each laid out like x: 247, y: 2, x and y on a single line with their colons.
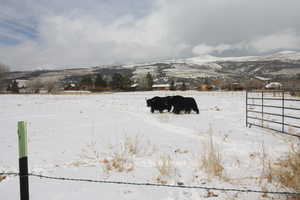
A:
x: 134, y: 86
x: 43, y: 91
x: 274, y: 86
x: 18, y: 86
x: 72, y: 86
x: 22, y: 83
x: 161, y: 87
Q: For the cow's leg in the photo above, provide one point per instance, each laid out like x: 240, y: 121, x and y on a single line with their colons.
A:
x: 152, y: 109
x: 196, y: 110
x: 188, y: 111
x: 169, y: 108
x: 177, y: 111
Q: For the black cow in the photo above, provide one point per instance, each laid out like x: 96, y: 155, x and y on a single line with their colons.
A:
x: 159, y: 103
x: 190, y: 104
x: 186, y: 104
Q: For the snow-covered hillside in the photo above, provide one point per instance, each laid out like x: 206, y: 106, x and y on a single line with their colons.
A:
x: 280, y: 63
x: 79, y: 136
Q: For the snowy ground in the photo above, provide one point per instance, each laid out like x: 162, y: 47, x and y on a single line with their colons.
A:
x: 77, y: 136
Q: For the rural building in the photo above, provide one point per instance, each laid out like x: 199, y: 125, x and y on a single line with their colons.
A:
x: 161, y: 87
x: 134, y: 86
x: 205, y: 87
x: 274, y: 86
x: 18, y: 86
x: 71, y: 86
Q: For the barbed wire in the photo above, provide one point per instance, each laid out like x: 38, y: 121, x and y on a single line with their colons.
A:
x: 151, y: 184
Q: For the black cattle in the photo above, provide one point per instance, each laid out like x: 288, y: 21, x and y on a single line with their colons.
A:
x: 186, y: 104
x: 159, y: 103
x: 190, y: 104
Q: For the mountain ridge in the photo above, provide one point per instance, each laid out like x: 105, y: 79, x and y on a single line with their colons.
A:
x: 284, y: 65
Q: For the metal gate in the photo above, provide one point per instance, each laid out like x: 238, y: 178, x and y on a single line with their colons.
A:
x: 275, y: 110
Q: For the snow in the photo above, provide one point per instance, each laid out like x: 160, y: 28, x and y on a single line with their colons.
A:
x: 262, y: 78
x: 72, y: 135
x: 283, y: 56
x: 160, y: 85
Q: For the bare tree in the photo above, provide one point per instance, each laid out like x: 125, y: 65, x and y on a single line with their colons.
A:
x: 3, y: 70
x: 35, y: 85
x: 145, y: 81
x: 50, y: 84
x: 3, y: 74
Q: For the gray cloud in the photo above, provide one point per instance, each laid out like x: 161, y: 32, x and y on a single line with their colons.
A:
x: 76, y: 33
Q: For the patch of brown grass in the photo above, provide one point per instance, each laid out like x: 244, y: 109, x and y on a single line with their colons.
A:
x: 211, y: 159
x: 2, y: 178
x: 285, y: 171
x: 164, y: 165
x: 120, y: 162
x: 121, y: 159
x: 165, y: 168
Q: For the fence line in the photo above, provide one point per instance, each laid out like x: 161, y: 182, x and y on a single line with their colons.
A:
x: 263, y: 102
x: 151, y: 184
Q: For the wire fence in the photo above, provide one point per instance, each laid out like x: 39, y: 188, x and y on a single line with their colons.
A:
x: 180, y: 186
x: 249, y: 109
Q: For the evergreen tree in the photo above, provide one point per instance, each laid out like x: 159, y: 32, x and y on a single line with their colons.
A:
x: 86, y: 82
x: 126, y: 82
x: 120, y: 82
x: 183, y: 86
x: 116, y: 82
x: 172, y: 85
x: 100, y: 82
x: 149, y: 81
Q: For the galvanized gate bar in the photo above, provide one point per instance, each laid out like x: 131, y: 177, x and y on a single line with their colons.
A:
x: 262, y: 99
x: 269, y: 106
x: 279, y: 115
x: 276, y: 99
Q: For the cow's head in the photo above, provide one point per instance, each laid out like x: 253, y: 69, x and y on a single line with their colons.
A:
x: 149, y: 102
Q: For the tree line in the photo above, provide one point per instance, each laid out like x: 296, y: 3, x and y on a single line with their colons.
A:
x: 118, y: 81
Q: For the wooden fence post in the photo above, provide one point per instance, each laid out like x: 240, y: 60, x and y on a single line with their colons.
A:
x: 23, y: 160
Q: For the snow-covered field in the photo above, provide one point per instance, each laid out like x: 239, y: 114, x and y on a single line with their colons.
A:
x: 79, y: 136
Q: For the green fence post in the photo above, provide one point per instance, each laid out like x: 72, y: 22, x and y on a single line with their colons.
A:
x: 23, y: 160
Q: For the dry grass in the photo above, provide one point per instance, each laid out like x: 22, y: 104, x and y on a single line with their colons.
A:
x: 165, y: 168
x: 211, y: 159
x: 89, y: 156
x: 285, y: 172
x: 2, y: 178
x: 132, y: 145
x: 121, y: 159
x: 164, y: 165
x: 119, y: 162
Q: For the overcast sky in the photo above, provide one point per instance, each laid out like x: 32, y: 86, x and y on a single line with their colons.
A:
x: 70, y: 33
